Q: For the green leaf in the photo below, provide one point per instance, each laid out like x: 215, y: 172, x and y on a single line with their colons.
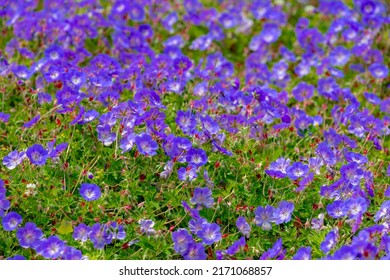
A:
x: 65, y: 227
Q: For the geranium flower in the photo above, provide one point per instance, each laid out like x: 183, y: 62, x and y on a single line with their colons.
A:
x: 11, y: 221
x: 283, y: 213
x: 37, y: 154
x: 203, y: 197
x: 90, y: 192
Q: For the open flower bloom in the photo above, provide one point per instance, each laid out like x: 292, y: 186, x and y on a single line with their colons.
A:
x: 90, y: 192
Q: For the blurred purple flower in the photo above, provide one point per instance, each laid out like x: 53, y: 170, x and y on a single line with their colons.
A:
x: 270, y: 33
x: 275, y: 251
x: 70, y: 253
x: 17, y: 258
x: 32, y: 122
x: 339, y: 56
x: 318, y: 223
x: 4, y: 205
x: 351, y: 173
x: 105, y: 135
x: 4, y: 117
x: 378, y: 70
x: 195, y: 225
x: 303, y: 253
x: 303, y: 91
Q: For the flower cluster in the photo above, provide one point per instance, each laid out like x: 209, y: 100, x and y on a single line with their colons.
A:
x: 99, y: 234
x: 31, y: 236
x: 36, y: 153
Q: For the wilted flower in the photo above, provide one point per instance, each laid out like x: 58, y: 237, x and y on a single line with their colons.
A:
x: 31, y: 190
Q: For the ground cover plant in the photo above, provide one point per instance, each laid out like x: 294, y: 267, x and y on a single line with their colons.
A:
x: 194, y: 129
